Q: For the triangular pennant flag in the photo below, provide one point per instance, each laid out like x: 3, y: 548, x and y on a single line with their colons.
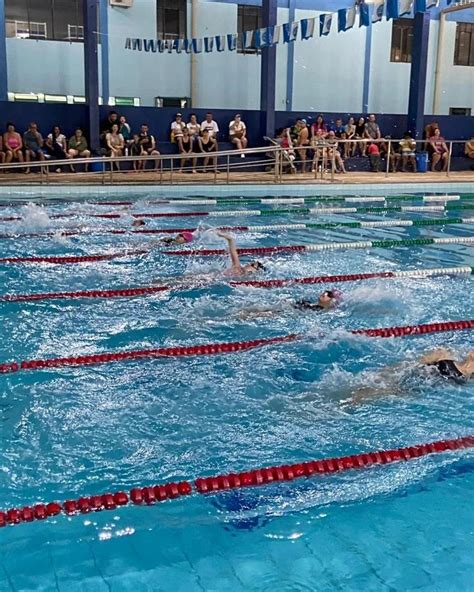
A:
x: 137, y: 44
x: 404, y: 7
x: 220, y: 42
x: 232, y: 41
x: 208, y: 44
x: 128, y: 43
x: 431, y: 3
x: 351, y: 18
x: 341, y: 19
x: 290, y: 31
x: 378, y: 11
x: 325, y: 22
x: 247, y: 39
x: 178, y: 45
x: 261, y: 38
x: 275, y: 35
x: 196, y: 45
x: 161, y: 45
x: 187, y: 45
x: 169, y: 44
x: 150, y: 45
x: 307, y: 28
x: 364, y: 15
x: 392, y: 9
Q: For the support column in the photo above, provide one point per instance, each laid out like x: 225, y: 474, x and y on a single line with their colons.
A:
x: 367, y: 67
x: 290, y: 60
x: 3, y: 55
x: 268, y: 72
x: 416, y: 101
x: 91, y: 70
x: 104, y: 49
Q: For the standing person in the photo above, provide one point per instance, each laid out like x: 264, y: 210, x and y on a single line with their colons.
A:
x: 33, y: 143
x: 238, y: 133
x: 185, y: 147
x: 56, y: 143
x: 439, y: 150
x: 350, y: 129
x: 408, y: 152
x: 208, y: 144
x: 374, y: 157
x: 115, y: 144
x: 360, y: 135
x: 302, y: 141
x: 106, y: 126
x: 12, y: 144
x: 210, y: 125
x: 78, y: 148
x: 177, y: 127
x: 126, y: 131
x: 147, y: 146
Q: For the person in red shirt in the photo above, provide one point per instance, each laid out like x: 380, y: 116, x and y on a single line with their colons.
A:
x: 374, y: 157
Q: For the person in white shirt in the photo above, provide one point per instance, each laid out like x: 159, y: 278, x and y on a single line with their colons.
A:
x: 177, y: 127
x: 210, y: 125
x: 238, y: 134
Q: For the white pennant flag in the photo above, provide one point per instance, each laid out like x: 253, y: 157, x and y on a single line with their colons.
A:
x: 377, y: 15
x: 350, y: 18
x: 405, y: 7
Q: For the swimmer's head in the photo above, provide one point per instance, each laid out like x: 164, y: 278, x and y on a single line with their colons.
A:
x: 138, y: 222
x: 254, y: 267
x: 329, y: 298
x: 184, y: 237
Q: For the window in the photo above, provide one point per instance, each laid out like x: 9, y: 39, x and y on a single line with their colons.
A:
x: 179, y: 102
x: 59, y: 20
x: 171, y: 19
x: 249, y: 18
x: 402, y: 40
x: 464, y: 48
x: 463, y: 111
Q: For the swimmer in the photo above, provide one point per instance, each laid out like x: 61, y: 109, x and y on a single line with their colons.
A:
x: 440, y: 363
x: 236, y: 266
x: 180, y: 239
x: 138, y: 222
x: 328, y: 300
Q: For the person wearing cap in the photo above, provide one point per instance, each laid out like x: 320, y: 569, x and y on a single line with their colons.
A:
x: 327, y: 300
x: 180, y: 239
x: 302, y: 141
x: 238, y: 133
x: 236, y: 267
x: 177, y: 127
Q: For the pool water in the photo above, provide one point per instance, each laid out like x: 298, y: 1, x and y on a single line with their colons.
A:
x: 84, y: 430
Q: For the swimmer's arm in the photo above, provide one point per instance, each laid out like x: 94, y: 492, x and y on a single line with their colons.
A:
x: 435, y: 356
x: 234, y: 256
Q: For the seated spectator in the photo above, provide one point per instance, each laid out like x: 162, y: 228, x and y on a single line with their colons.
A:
x: 439, y: 150
x: 147, y: 146
x: 106, y: 126
x: 338, y: 128
x: 33, y: 143
x: 238, y: 134
x: 350, y: 129
x: 469, y: 149
x: 318, y: 142
x: 374, y: 157
x: 319, y: 125
x: 185, y: 146
x: 360, y: 135
x: 194, y: 129
x: 2, y: 152
x: 429, y: 133
x: 78, y: 147
x: 210, y: 125
x: 56, y: 145
x: 135, y: 150
x: 177, y: 127
x: 126, y: 131
x: 372, y: 129
x: 283, y: 138
x: 302, y: 142
x: 333, y: 153
x: 12, y: 144
x: 115, y: 144
x: 408, y: 152
x: 207, y: 144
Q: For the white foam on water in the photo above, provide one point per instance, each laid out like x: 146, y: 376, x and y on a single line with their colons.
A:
x: 34, y: 218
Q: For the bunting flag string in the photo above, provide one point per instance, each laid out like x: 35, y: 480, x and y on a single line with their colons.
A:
x: 369, y: 13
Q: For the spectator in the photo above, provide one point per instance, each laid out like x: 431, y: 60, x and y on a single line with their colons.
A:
x: 78, y: 147
x: 333, y: 152
x: 429, y: 133
x: 439, y: 150
x: 338, y: 128
x: 115, y: 144
x: 2, y: 153
x: 408, y: 152
x: 468, y: 148
x: 374, y: 157
x: 135, y: 150
x: 238, y: 134
x: 350, y: 129
x: 372, y: 129
x: 147, y: 146
x: 207, y: 144
x: 302, y: 141
x: 360, y: 135
x: 106, y: 126
x: 33, y: 143
x: 193, y: 127
x: 283, y: 138
x: 185, y: 146
x: 12, y: 144
x: 319, y: 125
x: 318, y: 143
x: 56, y: 144
x: 125, y: 130
x: 210, y: 125
x: 177, y: 127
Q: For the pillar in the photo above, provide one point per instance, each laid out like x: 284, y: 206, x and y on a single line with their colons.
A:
x: 268, y: 72
x: 91, y: 70
x: 416, y: 101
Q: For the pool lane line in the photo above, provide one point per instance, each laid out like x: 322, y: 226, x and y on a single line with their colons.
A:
x: 384, y: 244
x: 220, y: 348
x: 149, y: 495
x: 70, y: 259
x: 132, y: 292
x: 276, y: 212
x: 262, y: 228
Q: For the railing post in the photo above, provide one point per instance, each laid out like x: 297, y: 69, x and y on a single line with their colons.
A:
x: 389, y: 151
x: 171, y: 170
x: 228, y: 172
x: 333, y: 164
x: 450, y: 154
x: 161, y: 171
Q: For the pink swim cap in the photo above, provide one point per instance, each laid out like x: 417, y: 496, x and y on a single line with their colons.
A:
x: 188, y: 236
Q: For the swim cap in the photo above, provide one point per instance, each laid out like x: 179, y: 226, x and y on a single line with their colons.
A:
x: 188, y: 236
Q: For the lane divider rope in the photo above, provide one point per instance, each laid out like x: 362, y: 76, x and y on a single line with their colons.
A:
x: 327, y: 246
x: 146, y: 290
x: 66, y: 259
x: 220, y: 348
x: 149, y: 495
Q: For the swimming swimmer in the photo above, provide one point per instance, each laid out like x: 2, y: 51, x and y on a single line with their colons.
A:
x: 180, y: 239
x: 236, y: 266
x: 326, y: 301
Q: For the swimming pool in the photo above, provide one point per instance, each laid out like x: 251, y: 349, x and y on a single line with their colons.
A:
x: 73, y: 431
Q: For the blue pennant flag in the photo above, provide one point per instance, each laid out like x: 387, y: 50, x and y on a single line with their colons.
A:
x: 325, y: 22
x: 307, y: 28
x: 161, y: 45
x: 247, y: 39
x: 220, y: 42
x: 267, y: 36
x: 378, y: 11
x: 232, y: 41
x: 345, y: 19
x: 187, y: 45
x: 128, y: 43
x: 178, y: 45
x: 364, y: 15
x: 420, y: 6
x: 137, y: 44
x: 196, y: 45
x: 208, y: 44
x: 392, y: 9
x: 290, y: 32
x: 405, y: 7
x: 150, y: 45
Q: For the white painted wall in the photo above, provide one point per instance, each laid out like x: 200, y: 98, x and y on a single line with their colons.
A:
x: 328, y: 71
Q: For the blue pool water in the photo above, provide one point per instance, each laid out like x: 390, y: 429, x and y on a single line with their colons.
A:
x: 79, y: 431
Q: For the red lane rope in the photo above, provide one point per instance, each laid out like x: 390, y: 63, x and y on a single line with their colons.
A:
x: 314, y: 280
x: 253, y: 477
x: 118, y: 293
x: 65, y: 259
x: 249, y: 251
x: 220, y: 348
